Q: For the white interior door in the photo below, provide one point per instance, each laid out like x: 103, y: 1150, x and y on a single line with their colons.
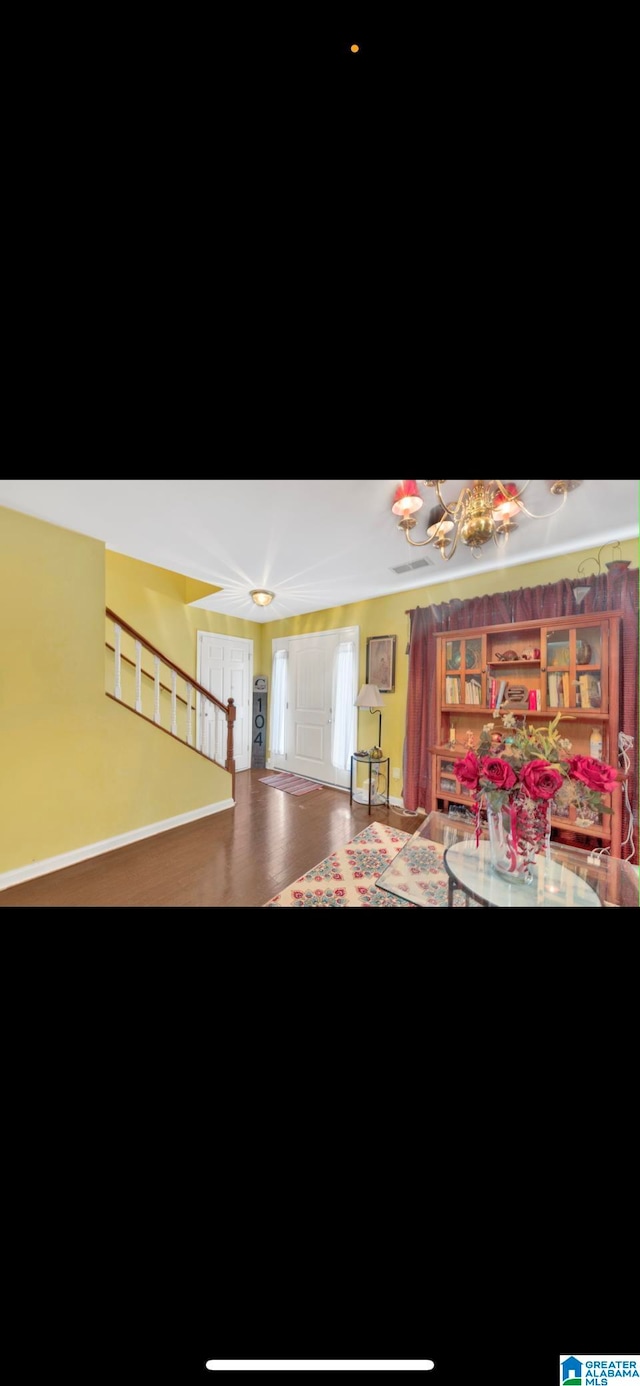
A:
x: 225, y: 668
x: 309, y: 717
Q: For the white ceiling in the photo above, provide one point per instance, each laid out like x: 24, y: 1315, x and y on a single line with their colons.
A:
x: 314, y: 543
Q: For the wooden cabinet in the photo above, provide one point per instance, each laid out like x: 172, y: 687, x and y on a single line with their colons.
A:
x: 536, y: 669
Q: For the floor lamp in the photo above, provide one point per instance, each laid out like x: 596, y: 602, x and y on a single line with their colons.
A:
x: 369, y: 696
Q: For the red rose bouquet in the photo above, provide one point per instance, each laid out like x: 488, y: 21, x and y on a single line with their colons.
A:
x: 521, y: 780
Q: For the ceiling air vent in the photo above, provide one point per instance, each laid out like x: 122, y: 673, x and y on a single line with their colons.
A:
x: 411, y: 567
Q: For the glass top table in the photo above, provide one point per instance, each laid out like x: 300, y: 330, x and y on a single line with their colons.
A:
x: 554, y: 882
x: 568, y: 878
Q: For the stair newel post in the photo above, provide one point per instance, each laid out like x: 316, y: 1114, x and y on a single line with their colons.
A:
x: 156, y: 691
x: 230, y: 762
x: 138, y: 676
x: 117, y: 662
x: 189, y: 694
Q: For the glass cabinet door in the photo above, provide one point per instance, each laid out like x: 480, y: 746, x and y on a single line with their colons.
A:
x: 573, y: 668
x: 474, y: 694
x: 464, y: 672
x: 557, y: 669
x: 452, y: 691
x: 590, y: 684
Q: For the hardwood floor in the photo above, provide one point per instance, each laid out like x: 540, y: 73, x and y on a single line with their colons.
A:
x: 240, y: 857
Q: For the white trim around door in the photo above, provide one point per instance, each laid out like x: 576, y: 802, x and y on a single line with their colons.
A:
x: 225, y: 668
x: 309, y: 719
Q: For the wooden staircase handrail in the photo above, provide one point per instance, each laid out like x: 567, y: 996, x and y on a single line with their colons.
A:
x: 145, y: 672
x: 228, y: 709
x: 224, y: 707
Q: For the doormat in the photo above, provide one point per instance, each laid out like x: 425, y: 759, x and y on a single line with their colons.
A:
x: 292, y: 784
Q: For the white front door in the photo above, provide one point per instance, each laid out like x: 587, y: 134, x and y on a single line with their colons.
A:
x: 225, y: 668
x: 310, y: 712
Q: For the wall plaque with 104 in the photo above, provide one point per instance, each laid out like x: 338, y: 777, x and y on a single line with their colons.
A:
x: 259, y: 723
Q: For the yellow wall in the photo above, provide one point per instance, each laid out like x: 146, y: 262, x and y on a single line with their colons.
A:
x: 386, y: 616
x: 152, y: 600
x: 75, y: 768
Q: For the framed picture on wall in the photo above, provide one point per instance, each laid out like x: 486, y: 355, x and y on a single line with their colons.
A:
x: 381, y: 662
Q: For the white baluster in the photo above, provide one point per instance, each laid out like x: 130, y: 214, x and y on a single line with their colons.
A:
x: 138, y: 676
x: 117, y: 659
x: 156, y: 699
x: 203, y: 727
x: 174, y: 703
x: 189, y: 693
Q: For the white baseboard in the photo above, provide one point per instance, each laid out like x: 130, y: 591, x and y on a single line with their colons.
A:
x: 110, y: 844
x: 361, y: 796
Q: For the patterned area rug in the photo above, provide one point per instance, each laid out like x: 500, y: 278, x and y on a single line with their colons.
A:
x: 348, y: 876
x: 292, y: 784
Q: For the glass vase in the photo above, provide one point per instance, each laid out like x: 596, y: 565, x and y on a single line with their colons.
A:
x: 516, y: 833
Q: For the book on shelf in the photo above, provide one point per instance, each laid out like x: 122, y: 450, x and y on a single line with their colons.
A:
x: 493, y: 692
x: 559, y: 690
x: 501, y: 692
x: 452, y: 689
x: 472, y: 692
x: 590, y: 694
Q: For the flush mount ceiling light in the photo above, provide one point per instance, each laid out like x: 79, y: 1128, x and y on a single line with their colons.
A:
x: 484, y: 510
x: 262, y: 598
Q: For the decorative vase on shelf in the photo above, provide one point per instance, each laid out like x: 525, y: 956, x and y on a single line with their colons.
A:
x: 516, y: 833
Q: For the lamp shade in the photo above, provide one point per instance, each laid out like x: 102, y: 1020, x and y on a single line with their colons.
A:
x: 506, y: 509
x: 437, y: 514
x: 369, y: 696
x: 406, y: 499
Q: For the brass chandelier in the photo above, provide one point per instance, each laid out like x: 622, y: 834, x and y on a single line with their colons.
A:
x: 484, y: 510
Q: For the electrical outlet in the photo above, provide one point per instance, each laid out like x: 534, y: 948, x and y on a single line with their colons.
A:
x: 395, y: 773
